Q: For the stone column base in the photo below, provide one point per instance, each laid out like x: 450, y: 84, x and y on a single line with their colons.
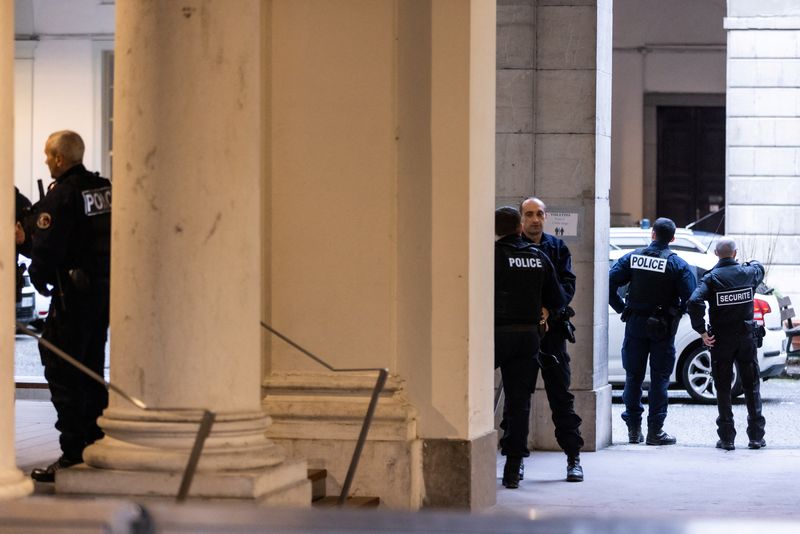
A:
x: 14, y: 484
x: 285, y: 484
x: 593, y: 407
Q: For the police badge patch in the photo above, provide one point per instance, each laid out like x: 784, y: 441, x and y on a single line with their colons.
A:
x: 44, y: 221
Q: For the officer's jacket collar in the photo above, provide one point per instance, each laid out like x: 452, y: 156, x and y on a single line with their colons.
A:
x: 515, y: 240
x: 75, y: 169
x: 724, y: 262
x: 658, y: 246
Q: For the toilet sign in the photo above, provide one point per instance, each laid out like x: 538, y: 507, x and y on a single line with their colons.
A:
x: 562, y: 223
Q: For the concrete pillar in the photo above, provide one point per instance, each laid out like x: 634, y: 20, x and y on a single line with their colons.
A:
x: 186, y: 280
x: 381, y: 241
x: 570, y: 171
x: 13, y: 483
x: 763, y: 137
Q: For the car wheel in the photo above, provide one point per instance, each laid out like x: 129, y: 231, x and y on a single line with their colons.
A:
x: 697, y: 377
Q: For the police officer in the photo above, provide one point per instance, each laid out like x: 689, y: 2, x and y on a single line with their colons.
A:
x: 732, y: 337
x: 660, y: 284
x: 71, y: 261
x: 22, y: 239
x: 524, y: 283
x: 557, y: 378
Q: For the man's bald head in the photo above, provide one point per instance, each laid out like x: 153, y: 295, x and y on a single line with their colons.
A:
x: 725, y: 248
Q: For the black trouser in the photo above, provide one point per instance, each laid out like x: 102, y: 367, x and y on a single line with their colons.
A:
x: 79, y: 329
x: 740, y: 348
x: 562, y: 402
x: 515, y: 354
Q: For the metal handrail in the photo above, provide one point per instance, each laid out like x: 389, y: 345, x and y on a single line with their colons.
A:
x: 206, y: 421
x: 383, y: 374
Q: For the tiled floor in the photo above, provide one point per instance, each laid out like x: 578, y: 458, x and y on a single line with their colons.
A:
x: 36, y: 438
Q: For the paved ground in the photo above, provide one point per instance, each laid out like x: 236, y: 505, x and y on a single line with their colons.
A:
x: 695, y: 424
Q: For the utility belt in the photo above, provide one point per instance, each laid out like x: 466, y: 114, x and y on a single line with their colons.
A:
x: 662, y: 321
x: 560, y: 323
x: 743, y: 328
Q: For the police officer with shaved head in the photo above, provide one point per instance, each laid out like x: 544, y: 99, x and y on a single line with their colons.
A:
x: 525, y: 285
x: 659, y: 286
x: 732, y: 337
x: 70, y: 260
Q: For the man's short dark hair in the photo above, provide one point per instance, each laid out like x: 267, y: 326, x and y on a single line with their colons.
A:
x: 506, y: 221
x: 664, y: 229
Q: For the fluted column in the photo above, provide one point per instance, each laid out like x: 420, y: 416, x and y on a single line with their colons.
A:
x: 186, y: 284
x: 13, y: 483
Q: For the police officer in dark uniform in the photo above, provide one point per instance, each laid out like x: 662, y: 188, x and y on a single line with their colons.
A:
x: 732, y: 337
x: 660, y: 284
x: 22, y: 210
x: 524, y: 282
x: 556, y: 379
x: 71, y: 261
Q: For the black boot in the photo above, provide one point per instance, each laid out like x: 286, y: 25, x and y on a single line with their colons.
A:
x: 511, y: 472
x: 725, y: 444
x: 757, y: 444
x: 574, y: 469
x: 635, y: 434
x: 48, y: 474
x: 659, y: 437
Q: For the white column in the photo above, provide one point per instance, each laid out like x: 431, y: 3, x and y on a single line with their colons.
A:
x: 13, y: 483
x: 762, y: 181
x: 186, y: 279
x: 572, y: 166
x: 381, y: 241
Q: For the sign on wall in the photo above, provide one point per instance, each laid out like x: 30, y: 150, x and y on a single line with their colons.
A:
x: 563, y: 224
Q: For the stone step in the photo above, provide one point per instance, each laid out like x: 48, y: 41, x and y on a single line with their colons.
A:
x: 317, y: 478
x: 320, y: 499
x: 352, y: 502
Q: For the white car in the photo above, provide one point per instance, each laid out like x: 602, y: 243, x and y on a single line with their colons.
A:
x: 39, y: 304
x: 693, y: 361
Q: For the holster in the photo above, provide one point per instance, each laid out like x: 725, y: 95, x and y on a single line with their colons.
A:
x: 756, y: 330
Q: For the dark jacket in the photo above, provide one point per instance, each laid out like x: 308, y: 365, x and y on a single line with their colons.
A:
x: 524, y: 282
x: 729, y: 288
x: 673, y: 285
x: 559, y: 254
x: 73, y: 229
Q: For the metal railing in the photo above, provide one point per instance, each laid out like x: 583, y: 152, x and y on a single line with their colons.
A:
x: 383, y: 374
x: 206, y: 421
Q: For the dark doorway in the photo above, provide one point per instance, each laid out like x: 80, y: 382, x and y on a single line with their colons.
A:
x: 690, y: 179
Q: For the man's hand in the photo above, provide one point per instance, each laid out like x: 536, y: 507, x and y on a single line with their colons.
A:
x: 543, y: 319
x: 19, y: 234
x: 708, y: 340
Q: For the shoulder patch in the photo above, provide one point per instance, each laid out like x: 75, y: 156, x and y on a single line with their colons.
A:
x: 97, y: 201
x: 44, y: 221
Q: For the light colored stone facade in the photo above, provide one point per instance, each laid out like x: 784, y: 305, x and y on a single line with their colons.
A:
x: 763, y: 136
x: 554, y: 141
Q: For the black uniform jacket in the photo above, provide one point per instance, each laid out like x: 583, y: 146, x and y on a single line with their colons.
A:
x: 560, y: 256
x: 673, y: 282
x: 729, y: 288
x: 73, y: 228
x: 525, y: 281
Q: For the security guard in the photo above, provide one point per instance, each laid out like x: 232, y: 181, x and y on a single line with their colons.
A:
x: 660, y: 284
x: 556, y: 379
x: 732, y: 337
x: 524, y: 283
x: 71, y: 255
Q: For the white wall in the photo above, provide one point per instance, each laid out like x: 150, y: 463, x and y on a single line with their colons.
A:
x: 57, y: 80
x: 660, y: 46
